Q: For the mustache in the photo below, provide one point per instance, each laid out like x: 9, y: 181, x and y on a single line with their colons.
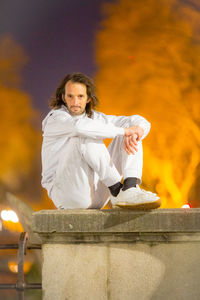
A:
x: 72, y: 106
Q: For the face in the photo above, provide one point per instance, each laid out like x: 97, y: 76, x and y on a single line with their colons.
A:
x: 75, y: 97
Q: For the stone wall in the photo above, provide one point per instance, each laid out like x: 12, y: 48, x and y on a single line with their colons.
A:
x: 120, y: 254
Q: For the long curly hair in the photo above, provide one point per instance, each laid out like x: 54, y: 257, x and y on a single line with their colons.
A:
x: 57, y: 100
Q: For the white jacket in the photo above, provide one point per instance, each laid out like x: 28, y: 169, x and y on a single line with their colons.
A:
x: 59, y: 126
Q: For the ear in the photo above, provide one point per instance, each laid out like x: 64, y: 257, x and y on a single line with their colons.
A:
x: 63, y: 97
x: 88, y: 100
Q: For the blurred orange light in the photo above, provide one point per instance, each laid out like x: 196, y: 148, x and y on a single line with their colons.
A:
x: 11, y: 220
x: 9, y: 215
x: 14, y: 267
x: 187, y: 205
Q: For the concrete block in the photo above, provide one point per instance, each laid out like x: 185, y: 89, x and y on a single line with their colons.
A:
x: 74, y: 272
x: 120, y: 254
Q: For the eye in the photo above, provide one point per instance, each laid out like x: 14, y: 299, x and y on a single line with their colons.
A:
x: 69, y: 96
x: 80, y: 96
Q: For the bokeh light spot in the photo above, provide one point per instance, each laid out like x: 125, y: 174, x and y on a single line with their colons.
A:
x: 9, y: 215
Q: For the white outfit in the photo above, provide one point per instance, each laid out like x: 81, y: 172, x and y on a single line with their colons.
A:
x: 77, y: 168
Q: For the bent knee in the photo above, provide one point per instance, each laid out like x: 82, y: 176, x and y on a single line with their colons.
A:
x: 94, y: 147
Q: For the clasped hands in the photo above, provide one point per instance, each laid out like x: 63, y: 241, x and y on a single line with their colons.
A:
x: 132, y: 136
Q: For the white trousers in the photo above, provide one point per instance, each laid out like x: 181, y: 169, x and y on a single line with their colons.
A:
x: 87, y: 168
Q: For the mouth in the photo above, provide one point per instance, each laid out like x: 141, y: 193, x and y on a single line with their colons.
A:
x: 75, y: 107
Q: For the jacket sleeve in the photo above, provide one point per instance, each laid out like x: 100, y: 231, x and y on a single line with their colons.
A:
x: 59, y: 124
x: 128, y: 121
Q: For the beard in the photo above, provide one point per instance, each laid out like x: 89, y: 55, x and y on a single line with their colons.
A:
x: 76, y: 110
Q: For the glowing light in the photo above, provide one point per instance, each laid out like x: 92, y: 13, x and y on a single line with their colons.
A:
x: 13, y: 267
x: 9, y: 215
x: 187, y: 205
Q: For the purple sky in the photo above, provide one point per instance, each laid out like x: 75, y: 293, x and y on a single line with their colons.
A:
x: 58, y: 36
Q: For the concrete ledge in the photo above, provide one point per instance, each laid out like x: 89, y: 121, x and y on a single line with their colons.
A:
x: 117, y: 225
x: 120, y: 254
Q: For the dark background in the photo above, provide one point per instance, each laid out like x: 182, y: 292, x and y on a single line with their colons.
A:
x: 57, y: 36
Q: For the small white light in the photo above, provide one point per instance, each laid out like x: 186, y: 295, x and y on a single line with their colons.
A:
x: 186, y: 206
x: 9, y: 215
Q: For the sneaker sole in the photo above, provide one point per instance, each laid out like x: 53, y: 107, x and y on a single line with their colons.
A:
x: 143, y: 206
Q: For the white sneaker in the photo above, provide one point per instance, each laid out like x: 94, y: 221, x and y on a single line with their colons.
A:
x: 114, y: 201
x: 136, y: 198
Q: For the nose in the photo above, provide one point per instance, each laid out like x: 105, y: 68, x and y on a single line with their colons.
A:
x: 75, y: 101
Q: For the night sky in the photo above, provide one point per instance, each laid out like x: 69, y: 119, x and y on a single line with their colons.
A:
x: 57, y: 36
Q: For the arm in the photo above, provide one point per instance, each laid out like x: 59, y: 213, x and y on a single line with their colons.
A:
x: 130, y: 121
x: 61, y: 123
x: 136, y: 128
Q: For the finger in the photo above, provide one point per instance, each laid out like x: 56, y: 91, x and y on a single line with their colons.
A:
x: 130, y: 150
x: 134, y: 138
x: 127, y: 148
x: 127, y: 151
x: 126, y: 142
x: 133, y: 146
x: 133, y: 142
